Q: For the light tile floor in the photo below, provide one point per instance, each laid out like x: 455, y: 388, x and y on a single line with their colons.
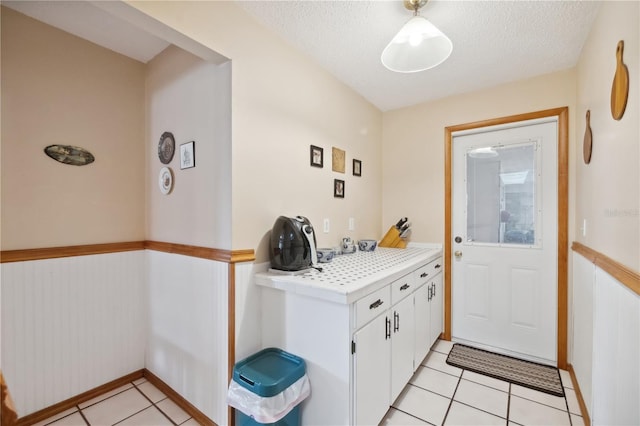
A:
x: 439, y: 394
x: 138, y: 403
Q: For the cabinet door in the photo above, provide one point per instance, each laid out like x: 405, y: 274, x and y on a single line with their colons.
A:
x: 437, y: 309
x: 422, y: 315
x: 402, y: 345
x: 372, y: 364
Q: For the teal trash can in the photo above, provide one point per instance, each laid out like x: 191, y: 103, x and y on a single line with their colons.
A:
x: 267, y: 388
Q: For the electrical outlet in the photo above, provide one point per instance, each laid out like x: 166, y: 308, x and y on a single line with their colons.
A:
x: 584, y: 227
x: 325, y: 226
x: 352, y: 224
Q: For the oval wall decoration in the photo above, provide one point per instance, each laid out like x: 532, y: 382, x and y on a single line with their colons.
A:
x: 620, y: 86
x: 68, y: 154
x: 588, y: 142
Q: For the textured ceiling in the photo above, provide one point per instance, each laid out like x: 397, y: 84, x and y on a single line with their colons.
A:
x: 493, y: 41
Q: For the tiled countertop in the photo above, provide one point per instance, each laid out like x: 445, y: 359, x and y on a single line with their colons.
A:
x: 351, y: 276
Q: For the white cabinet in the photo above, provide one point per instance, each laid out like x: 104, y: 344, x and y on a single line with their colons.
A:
x: 405, y: 330
x: 428, y: 317
x: 372, y: 365
x: 436, y: 316
x: 402, y: 345
x: 429, y: 306
x: 354, y: 324
x: 371, y: 349
x: 422, y: 315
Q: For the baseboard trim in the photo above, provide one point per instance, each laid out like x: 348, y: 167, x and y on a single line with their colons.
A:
x: 174, y: 396
x: 51, y: 411
x: 8, y: 415
x: 576, y: 388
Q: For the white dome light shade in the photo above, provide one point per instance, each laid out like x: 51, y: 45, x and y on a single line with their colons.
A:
x: 418, y: 46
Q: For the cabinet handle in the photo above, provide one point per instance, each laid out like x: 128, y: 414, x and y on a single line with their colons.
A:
x: 376, y: 304
x: 429, y: 298
x: 396, y: 322
x: 423, y: 275
x: 437, y: 266
x: 387, y: 328
x: 404, y: 287
x: 434, y: 289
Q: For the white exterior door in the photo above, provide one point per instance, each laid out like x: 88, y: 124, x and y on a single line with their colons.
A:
x: 504, y: 227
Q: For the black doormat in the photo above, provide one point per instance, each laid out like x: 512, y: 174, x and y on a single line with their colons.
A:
x: 520, y: 372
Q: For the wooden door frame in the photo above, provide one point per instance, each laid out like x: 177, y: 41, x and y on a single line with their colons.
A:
x: 562, y: 115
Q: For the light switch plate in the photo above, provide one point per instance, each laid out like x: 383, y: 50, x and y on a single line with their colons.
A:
x: 325, y: 226
x: 352, y: 224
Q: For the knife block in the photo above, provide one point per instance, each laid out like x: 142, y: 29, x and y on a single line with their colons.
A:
x: 392, y: 239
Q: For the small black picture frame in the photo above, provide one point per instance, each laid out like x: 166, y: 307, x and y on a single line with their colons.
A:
x: 357, y: 167
x: 338, y: 188
x: 316, y: 156
x: 187, y: 155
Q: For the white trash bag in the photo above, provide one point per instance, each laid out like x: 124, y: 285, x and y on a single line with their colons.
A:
x: 268, y: 409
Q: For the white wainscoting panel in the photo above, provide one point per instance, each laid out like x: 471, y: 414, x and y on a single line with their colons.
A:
x: 188, y: 328
x: 616, y: 356
x: 606, y: 345
x: 248, y: 309
x: 70, y: 325
x: 582, y: 351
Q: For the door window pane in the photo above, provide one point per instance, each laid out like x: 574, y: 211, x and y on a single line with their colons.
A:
x: 501, y: 194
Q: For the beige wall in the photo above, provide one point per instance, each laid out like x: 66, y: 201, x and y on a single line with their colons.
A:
x: 413, y: 144
x: 608, y: 189
x: 282, y: 103
x: 191, y: 99
x: 60, y: 89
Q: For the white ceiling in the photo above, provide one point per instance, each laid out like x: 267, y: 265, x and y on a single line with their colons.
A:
x: 86, y: 20
x: 493, y: 41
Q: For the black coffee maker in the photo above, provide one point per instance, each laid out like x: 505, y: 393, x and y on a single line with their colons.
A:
x: 293, y: 244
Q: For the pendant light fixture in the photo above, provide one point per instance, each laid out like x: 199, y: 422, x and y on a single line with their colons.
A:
x: 418, y: 46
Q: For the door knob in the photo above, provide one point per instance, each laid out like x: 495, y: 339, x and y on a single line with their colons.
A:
x: 457, y: 254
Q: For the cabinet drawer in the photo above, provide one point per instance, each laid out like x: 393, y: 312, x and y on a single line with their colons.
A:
x: 402, y: 288
x: 372, y: 305
x: 428, y: 271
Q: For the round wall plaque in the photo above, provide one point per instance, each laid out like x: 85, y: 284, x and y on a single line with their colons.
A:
x: 165, y: 180
x: 166, y: 147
